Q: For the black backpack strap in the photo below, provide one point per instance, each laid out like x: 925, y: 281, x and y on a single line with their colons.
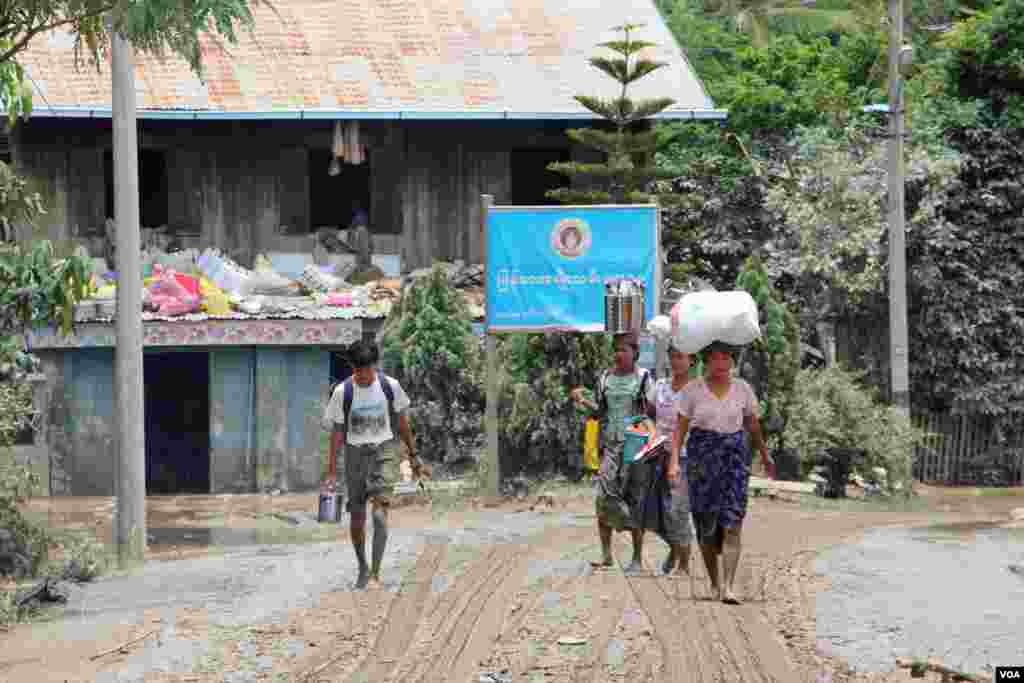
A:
x: 389, y: 392
x: 346, y: 399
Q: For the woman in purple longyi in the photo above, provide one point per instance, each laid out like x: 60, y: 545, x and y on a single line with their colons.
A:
x: 715, y: 412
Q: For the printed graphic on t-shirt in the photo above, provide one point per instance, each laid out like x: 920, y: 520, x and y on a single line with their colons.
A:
x: 369, y: 418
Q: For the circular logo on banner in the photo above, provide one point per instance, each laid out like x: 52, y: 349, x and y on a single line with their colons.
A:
x: 571, y: 238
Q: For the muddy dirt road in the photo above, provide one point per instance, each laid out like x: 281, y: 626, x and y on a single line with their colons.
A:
x: 483, y: 593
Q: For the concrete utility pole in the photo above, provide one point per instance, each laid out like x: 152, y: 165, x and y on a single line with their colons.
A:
x: 130, y: 528
x: 899, y: 58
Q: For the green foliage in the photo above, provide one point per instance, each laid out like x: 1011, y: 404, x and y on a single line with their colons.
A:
x: 985, y: 61
x: 755, y: 16
x: 833, y: 255
x: 832, y: 409
x: 429, y: 346
x: 622, y: 178
x: 17, y: 483
x: 15, y: 91
x: 965, y: 266
x: 18, y: 205
x: 36, y: 288
x: 780, y: 343
x: 791, y: 83
x: 540, y: 421
x: 157, y: 26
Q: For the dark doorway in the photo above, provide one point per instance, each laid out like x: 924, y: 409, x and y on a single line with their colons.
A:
x: 334, y: 200
x: 531, y: 178
x: 153, y: 195
x: 177, y: 423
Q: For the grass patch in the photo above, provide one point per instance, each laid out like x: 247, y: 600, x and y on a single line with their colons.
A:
x: 219, y: 637
x: 870, y: 504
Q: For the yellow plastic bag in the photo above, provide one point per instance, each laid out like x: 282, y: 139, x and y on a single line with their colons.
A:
x: 215, y: 301
x: 591, y: 449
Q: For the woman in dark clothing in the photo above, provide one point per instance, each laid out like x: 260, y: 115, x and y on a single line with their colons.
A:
x: 622, y: 393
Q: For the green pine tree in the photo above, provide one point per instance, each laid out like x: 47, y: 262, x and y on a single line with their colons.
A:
x: 627, y: 140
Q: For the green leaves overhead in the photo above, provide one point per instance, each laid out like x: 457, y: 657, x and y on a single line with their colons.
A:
x: 156, y: 26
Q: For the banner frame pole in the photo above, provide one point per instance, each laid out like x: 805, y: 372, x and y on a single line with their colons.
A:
x: 491, y: 344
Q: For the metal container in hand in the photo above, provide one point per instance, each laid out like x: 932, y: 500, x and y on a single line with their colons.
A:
x: 624, y: 307
x: 329, y: 510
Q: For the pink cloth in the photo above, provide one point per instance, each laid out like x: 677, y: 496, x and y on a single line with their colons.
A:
x: 710, y: 413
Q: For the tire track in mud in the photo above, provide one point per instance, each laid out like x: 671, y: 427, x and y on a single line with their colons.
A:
x: 436, y: 620
x: 399, y: 628
x: 665, y: 617
x: 461, y: 619
x: 613, y: 584
x: 582, y: 541
x: 718, y: 642
x: 491, y: 627
x: 483, y: 626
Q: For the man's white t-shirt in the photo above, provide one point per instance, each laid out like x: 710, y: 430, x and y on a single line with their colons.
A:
x: 369, y: 421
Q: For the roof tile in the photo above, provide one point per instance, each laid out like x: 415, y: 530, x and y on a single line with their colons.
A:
x: 426, y: 55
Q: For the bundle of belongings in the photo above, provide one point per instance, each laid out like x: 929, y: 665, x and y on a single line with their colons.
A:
x: 700, y: 319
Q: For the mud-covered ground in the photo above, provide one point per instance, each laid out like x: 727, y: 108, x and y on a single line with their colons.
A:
x: 255, y: 591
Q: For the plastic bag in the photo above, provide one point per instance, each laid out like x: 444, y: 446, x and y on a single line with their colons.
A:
x: 591, y: 447
x: 660, y: 327
x: 215, y: 300
x: 168, y: 295
x: 269, y: 283
x: 701, y: 318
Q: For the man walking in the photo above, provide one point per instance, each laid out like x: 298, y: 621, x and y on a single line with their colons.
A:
x: 368, y: 414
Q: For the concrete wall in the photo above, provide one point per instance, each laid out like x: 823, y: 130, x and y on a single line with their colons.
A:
x: 265, y: 430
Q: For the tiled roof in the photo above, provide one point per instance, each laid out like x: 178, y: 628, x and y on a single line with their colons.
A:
x: 380, y: 56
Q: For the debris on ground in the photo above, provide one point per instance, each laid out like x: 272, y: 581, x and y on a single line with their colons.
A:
x: 48, y: 591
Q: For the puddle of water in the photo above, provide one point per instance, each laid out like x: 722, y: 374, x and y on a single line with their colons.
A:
x: 946, y: 592
x: 164, y: 536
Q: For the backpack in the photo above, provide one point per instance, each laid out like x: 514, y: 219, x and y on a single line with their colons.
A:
x: 640, y: 398
x: 348, y: 391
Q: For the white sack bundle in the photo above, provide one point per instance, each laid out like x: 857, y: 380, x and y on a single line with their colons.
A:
x: 701, y: 318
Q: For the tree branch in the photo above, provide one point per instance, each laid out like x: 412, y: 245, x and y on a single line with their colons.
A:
x: 20, y: 44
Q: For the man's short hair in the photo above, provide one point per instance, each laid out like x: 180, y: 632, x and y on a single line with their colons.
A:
x: 363, y: 354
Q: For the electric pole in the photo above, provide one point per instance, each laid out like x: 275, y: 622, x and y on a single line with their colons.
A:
x: 899, y: 58
x: 130, y: 529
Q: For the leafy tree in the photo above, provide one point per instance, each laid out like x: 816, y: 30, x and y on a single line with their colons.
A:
x: 984, y: 62
x: 833, y: 255
x: 778, y: 349
x: 628, y: 169
x: 964, y: 271
x: 754, y: 16
x: 157, y: 26
x: 723, y: 223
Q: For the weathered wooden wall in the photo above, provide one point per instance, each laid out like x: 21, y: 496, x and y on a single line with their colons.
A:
x: 236, y: 184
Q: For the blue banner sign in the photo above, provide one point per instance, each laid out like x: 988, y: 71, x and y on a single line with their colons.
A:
x: 547, y: 267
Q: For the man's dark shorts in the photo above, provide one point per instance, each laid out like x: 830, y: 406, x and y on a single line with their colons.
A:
x: 371, y: 472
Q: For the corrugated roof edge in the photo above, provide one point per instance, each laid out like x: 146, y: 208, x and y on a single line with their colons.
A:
x: 356, y: 114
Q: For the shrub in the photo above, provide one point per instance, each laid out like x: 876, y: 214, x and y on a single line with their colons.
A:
x: 832, y: 409
x: 541, y: 427
x: 429, y: 346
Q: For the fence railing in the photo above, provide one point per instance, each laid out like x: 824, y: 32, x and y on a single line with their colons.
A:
x: 970, y: 449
